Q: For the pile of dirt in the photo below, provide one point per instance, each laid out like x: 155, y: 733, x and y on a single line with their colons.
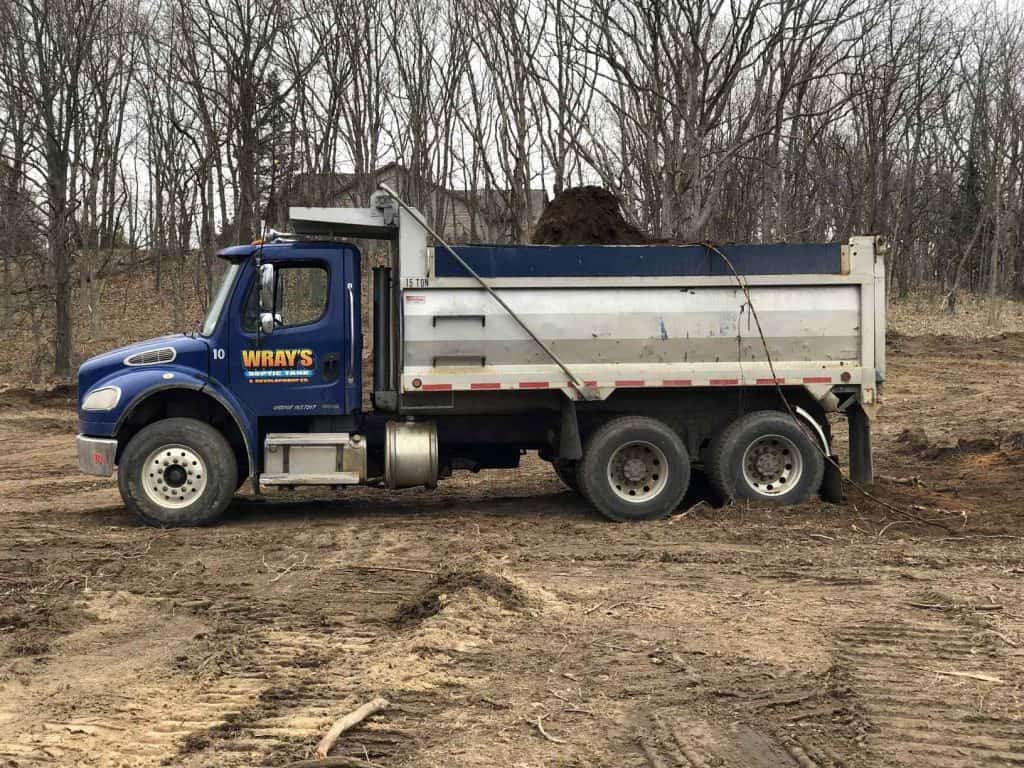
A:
x: 585, y: 215
x: 62, y: 394
x: 432, y: 599
x: 915, y: 441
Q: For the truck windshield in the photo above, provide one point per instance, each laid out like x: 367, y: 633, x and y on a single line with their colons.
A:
x: 213, y: 314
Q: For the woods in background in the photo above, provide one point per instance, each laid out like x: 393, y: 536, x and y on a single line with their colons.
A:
x: 147, y: 136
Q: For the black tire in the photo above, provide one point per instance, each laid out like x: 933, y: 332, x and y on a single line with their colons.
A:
x: 636, y: 436
x: 566, y: 471
x: 210, y: 472
x: 725, y: 457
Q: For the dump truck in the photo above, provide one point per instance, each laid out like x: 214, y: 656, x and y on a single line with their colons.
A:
x: 627, y: 367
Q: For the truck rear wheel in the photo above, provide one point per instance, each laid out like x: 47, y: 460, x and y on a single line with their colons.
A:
x: 768, y: 457
x: 178, y: 472
x: 634, y: 468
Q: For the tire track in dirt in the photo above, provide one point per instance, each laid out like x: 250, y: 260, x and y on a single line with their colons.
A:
x: 914, y: 680
x: 311, y: 668
x: 86, y: 705
x: 299, y: 682
x: 700, y: 743
x: 739, y: 712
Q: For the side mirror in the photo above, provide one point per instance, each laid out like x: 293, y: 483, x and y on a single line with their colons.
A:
x: 267, y: 323
x: 266, y: 289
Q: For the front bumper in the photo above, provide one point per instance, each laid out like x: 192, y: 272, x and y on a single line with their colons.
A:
x: 96, y: 455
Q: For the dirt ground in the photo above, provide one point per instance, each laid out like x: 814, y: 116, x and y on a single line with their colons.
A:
x: 509, y: 626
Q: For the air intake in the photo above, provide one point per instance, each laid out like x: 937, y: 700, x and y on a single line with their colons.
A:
x: 152, y: 356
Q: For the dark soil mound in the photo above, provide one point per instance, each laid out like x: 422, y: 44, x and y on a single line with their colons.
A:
x: 916, y: 441
x: 585, y: 215
x: 20, y: 397
x: 429, y: 602
x: 1005, y: 346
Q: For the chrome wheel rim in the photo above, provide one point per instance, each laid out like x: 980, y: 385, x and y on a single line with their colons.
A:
x: 637, y: 471
x: 174, y: 476
x: 772, y: 465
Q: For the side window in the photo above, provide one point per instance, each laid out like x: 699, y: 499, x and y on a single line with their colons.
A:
x: 300, y: 297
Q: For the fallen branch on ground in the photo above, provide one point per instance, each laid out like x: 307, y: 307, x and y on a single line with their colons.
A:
x: 138, y: 555
x: 912, y: 480
x: 688, y: 511
x: 350, y: 720
x: 954, y: 607
x: 281, y: 574
x: 540, y: 727
x: 386, y: 568
x: 333, y: 762
x: 1003, y: 637
x: 970, y: 675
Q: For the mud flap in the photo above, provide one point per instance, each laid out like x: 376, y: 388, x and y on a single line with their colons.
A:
x: 832, y: 482
x: 861, y: 467
x: 569, y: 444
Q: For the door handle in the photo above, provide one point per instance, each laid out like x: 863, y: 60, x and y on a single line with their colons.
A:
x: 330, y: 367
x: 350, y: 375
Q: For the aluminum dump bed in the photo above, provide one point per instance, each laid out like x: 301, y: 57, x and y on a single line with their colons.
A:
x: 644, y: 316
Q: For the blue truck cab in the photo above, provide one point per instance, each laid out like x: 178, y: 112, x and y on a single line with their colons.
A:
x: 228, y: 378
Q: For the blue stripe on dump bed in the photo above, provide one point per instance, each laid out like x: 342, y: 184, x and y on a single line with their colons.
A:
x: 638, y: 260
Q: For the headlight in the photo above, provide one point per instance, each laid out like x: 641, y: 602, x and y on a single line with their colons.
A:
x: 102, y: 399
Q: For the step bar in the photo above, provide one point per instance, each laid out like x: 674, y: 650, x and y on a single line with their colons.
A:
x: 313, y: 458
x: 329, y: 478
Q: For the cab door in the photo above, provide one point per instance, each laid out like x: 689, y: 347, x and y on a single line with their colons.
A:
x: 310, y: 363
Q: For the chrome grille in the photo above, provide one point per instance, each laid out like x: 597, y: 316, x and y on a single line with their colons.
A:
x: 152, y: 356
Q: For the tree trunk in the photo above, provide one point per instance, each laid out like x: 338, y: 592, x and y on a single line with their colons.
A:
x: 993, y: 266
x: 60, y: 257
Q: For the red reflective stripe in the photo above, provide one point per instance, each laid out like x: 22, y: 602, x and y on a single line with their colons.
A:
x: 589, y: 383
x: 436, y: 387
x: 676, y: 383
x: 534, y: 385
x: 724, y: 382
x: 771, y: 381
x: 817, y: 379
x: 629, y: 382
x: 485, y: 385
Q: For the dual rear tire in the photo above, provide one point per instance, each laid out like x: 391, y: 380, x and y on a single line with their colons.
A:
x: 634, y: 468
x: 767, y: 457
x: 637, y: 468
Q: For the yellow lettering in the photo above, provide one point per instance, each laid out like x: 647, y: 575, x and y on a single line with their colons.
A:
x: 277, y: 358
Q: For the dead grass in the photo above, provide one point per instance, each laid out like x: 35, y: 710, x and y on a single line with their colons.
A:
x: 922, y: 314
x: 130, y: 309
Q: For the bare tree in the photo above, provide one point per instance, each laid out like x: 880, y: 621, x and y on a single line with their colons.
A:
x: 52, y: 44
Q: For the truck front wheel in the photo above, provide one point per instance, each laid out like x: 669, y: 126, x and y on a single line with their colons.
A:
x: 768, y: 457
x: 178, y: 472
x: 634, y: 468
